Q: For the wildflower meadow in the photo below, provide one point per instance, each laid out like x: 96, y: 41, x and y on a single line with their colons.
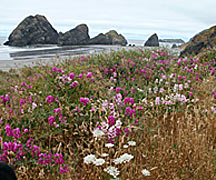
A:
x: 129, y: 114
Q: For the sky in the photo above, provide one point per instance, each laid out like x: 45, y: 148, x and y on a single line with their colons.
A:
x: 135, y: 19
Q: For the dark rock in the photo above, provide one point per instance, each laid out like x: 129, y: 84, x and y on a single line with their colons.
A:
x: 101, y: 39
x: 152, y: 41
x: 33, y: 30
x: 77, y: 36
x: 199, y: 43
x: 117, y: 39
x: 174, y: 46
x: 7, y: 172
x: 110, y: 38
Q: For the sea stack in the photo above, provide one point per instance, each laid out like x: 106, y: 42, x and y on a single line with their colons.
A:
x: 152, y: 41
x: 33, y: 30
x: 77, y: 36
x: 110, y: 38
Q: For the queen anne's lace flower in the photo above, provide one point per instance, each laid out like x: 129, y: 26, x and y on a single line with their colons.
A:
x: 125, y: 146
x: 145, y: 172
x: 104, y: 154
x: 132, y: 143
x: 99, y: 162
x: 109, y: 145
x: 123, y: 158
x: 98, y: 133
x: 112, y: 171
x: 89, y: 158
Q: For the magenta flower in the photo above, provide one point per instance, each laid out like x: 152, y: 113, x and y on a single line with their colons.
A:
x: 57, y: 110
x: 74, y: 84
x: 51, y: 120
x: 80, y: 75
x: 72, y: 75
x: 129, y: 100
x: 54, y: 69
x: 89, y: 74
x: 63, y: 169
x: 84, y: 101
x: 49, y: 99
x: 111, y: 120
x: 59, y: 158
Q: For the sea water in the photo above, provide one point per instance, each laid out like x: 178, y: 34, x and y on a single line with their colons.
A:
x: 49, y: 51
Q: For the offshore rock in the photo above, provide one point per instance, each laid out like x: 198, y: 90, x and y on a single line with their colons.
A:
x: 31, y: 31
x: 110, y: 38
x: 77, y: 36
x: 152, y: 41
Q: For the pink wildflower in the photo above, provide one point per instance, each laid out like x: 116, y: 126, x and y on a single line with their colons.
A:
x: 84, y: 101
x: 49, y: 99
x: 51, y: 120
x: 72, y: 75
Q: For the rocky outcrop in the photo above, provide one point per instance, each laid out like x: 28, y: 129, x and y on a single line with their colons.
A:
x: 152, y: 41
x: 200, y: 42
x: 110, y: 38
x: 33, y: 30
x: 117, y: 39
x: 174, y: 46
x: 77, y: 36
x: 36, y: 30
x: 101, y: 39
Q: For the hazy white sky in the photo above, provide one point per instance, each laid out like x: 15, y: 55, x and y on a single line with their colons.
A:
x: 136, y: 19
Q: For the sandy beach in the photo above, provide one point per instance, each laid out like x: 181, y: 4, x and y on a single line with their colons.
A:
x: 34, y: 58
x: 51, y: 56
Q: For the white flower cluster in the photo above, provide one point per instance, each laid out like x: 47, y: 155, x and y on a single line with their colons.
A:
x: 109, y: 145
x: 104, y: 155
x: 99, y: 162
x: 112, y: 171
x: 89, y: 158
x: 132, y: 143
x: 145, y: 172
x: 92, y: 159
x: 123, y: 158
x: 98, y: 133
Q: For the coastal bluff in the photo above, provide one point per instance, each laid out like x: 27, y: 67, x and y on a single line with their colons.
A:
x: 34, y: 30
x: 200, y: 42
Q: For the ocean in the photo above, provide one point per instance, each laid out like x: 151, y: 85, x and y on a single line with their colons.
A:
x: 8, y: 53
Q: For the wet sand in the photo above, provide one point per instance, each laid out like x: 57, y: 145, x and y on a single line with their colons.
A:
x: 56, y: 55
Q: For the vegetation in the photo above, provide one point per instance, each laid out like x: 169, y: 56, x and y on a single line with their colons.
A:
x: 139, y: 114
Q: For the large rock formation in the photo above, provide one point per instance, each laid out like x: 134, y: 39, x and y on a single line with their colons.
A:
x: 101, y: 39
x: 152, y: 41
x: 110, y: 38
x: 77, y: 36
x: 33, y: 30
x: 200, y: 42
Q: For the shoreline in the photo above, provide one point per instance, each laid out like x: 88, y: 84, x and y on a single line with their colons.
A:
x: 21, y: 61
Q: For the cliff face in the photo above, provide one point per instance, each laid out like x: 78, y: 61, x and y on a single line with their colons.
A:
x: 200, y: 42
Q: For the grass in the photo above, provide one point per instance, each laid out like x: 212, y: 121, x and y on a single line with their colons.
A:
x: 53, y: 117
